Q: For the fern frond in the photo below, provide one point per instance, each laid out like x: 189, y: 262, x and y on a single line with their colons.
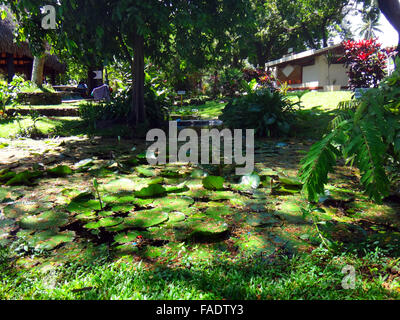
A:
x: 316, y: 166
x: 348, y: 105
x: 369, y: 150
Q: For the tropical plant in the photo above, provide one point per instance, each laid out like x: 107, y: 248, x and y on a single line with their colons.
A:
x: 366, y: 61
x: 268, y: 112
x: 368, y: 137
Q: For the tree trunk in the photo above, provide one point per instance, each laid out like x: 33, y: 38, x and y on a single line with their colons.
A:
x: 37, y: 70
x: 10, y: 67
x: 391, y: 10
x: 260, y: 56
x: 138, y: 107
x: 92, y: 82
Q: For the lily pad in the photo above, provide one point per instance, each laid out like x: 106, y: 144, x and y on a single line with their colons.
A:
x: 7, y: 175
x: 84, y: 207
x: 209, y: 228
x: 60, y: 171
x: 123, y: 238
x: 24, y: 178
x: 213, y: 183
x: 290, y: 181
x: 178, y: 203
x: 119, y: 185
x: 146, y: 218
x: 46, y: 220
x: 152, y: 191
x: 145, y: 172
x: 48, y: 240
x: 176, y: 217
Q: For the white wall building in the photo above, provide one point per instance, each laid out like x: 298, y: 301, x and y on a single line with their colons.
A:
x: 311, y: 70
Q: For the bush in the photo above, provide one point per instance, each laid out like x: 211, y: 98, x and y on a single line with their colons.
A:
x: 268, y: 112
x: 366, y: 61
x: 8, y: 94
x: 119, y: 109
x: 368, y: 137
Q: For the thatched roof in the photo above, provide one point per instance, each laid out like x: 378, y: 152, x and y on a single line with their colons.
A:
x: 8, y: 45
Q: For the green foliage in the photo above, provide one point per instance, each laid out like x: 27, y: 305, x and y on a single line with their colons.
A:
x: 368, y: 137
x: 268, y: 113
x: 213, y: 183
x: 60, y: 171
x: 8, y: 94
x: 119, y: 109
x: 154, y: 190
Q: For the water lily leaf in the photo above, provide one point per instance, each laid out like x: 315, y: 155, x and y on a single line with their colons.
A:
x: 21, y: 208
x: 128, y: 237
x: 176, y: 217
x: 152, y: 191
x: 217, y: 212
x: 213, y: 183
x: 86, y: 216
x: 24, y: 178
x: 110, y: 222
x: 7, y: 175
x: 84, y: 164
x: 122, y: 208
x: 290, y: 181
x: 60, y: 171
x: 145, y: 172
x: 170, y: 204
x: 169, y: 173
x: 146, y: 218
x: 45, y: 220
x: 119, y: 185
x: 48, y: 240
x: 209, y: 228
x: 158, y: 180
x: 85, y: 207
x: 177, y: 189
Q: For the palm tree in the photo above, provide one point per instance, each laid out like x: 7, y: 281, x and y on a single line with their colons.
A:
x: 370, y: 26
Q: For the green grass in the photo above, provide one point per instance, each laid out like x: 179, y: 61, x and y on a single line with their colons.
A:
x: 59, y: 106
x: 313, y: 276
x: 325, y: 100
x: 210, y: 110
x: 10, y: 128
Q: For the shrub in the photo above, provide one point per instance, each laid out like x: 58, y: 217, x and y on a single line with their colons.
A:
x: 231, y: 82
x: 119, y: 109
x: 368, y: 137
x: 8, y: 94
x: 268, y: 112
x: 366, y: 61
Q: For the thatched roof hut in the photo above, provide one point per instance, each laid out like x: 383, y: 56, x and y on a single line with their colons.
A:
x: 17, y: 58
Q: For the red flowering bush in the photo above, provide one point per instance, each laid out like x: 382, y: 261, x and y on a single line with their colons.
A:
x: 366, y: 61
x: 263, y: 77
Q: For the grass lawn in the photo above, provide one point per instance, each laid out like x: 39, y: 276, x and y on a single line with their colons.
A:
x: 325, y: 100
x: 10, y: 128
x: 210, y: 110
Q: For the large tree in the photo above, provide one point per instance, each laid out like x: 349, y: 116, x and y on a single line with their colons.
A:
x: 151, y: 28
x: 391, y: 10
